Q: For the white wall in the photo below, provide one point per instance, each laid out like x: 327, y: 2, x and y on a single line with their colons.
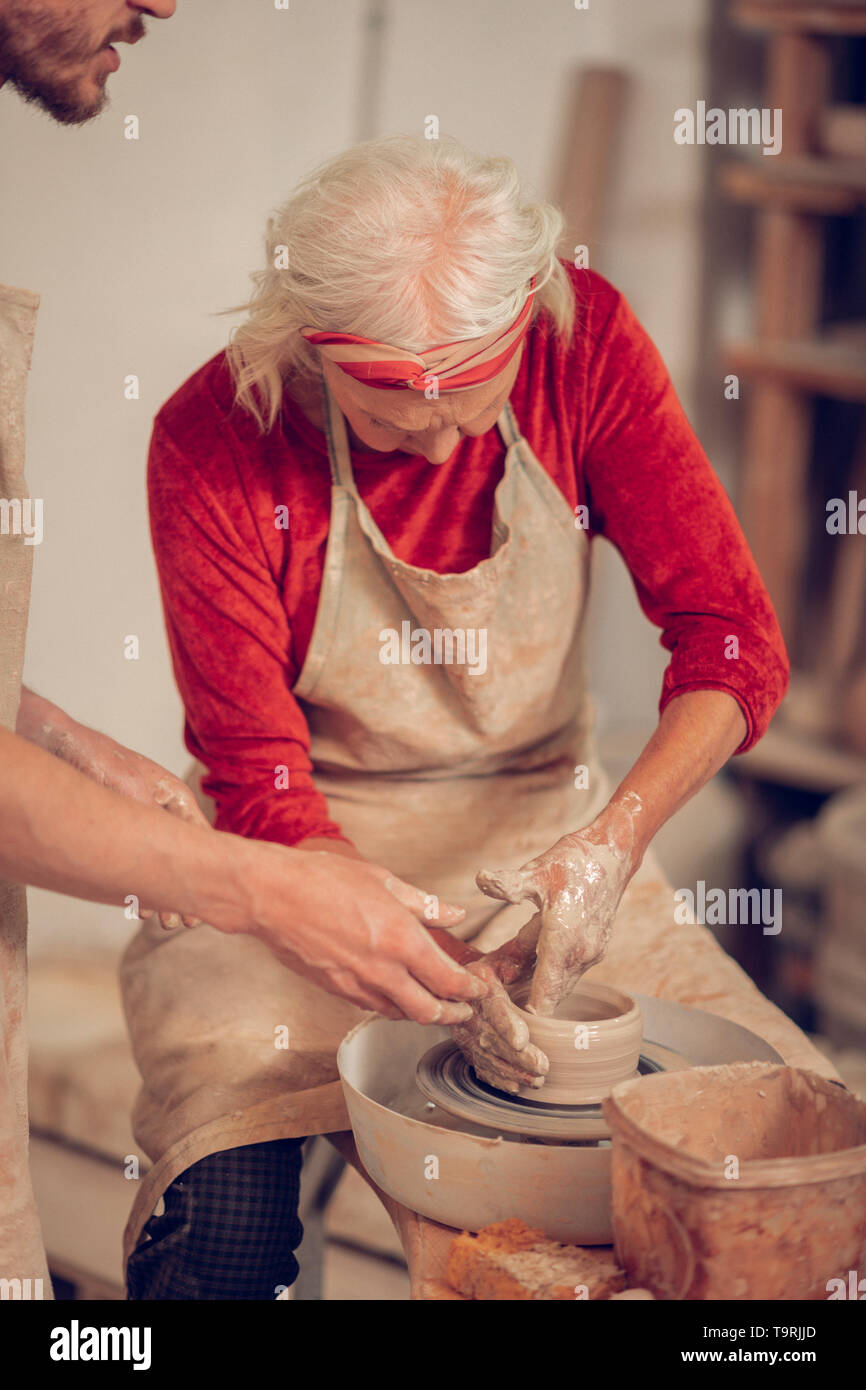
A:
x: 497, y: 73
x: 135, y: 245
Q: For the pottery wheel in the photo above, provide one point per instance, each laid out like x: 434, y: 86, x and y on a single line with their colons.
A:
x: 445, y: 1077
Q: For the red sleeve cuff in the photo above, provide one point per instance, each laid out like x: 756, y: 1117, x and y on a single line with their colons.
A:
x: 757, y: 679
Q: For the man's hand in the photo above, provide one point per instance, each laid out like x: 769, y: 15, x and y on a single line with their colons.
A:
x: 111, y: 765
x: 577, y: 885
x: 356, y: 930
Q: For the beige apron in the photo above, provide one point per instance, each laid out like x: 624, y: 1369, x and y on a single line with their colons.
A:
x: 433, y: 770
x: 21, y: 1253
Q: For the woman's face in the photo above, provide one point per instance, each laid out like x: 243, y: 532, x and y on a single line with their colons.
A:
x: 386, y: 421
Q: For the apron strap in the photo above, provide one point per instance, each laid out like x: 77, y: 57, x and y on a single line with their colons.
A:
x: 339, y: 454
x: 343, y: 479
x: 508, y: 426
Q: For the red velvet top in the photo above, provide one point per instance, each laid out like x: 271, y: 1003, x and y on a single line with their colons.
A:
x: 240, y: 594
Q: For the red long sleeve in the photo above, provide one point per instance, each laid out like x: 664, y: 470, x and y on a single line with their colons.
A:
x: 654, y: 495
x: 240, y: 593
x: 231, y: 645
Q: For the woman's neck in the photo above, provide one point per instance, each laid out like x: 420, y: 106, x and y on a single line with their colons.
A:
x: 306, y: 392
x: 308, y: 395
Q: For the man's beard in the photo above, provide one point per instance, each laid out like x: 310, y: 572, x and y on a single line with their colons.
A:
x: 43, y: 58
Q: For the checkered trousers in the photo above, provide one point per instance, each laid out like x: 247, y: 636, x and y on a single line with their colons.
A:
x: 229, y: 1229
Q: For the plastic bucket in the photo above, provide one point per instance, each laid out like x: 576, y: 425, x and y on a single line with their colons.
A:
x: 744, y: 1181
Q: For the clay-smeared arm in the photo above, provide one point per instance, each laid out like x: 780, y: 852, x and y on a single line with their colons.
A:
x: 578, y: 883
x: 108, y: 763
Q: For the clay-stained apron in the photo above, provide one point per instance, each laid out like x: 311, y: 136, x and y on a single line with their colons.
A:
x: 21, y: 1252
x: 432, y: 770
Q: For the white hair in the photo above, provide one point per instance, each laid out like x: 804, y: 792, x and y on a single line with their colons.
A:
x: 408, y: 241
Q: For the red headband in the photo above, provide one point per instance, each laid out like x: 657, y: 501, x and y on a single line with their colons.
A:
x: 450, y: 365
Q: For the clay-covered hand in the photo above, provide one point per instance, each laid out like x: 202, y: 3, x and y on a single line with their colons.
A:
x: 577, y: 885
x: 111, y: 765
x: 495, y: 1040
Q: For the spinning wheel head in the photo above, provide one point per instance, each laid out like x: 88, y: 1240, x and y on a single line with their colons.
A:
x: 446, y: 1078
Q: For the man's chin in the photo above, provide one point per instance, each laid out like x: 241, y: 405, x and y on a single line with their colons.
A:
x: 69, y: 103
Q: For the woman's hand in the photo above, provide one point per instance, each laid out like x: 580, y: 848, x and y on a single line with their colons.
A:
x: 495, y: 1039
x: 577, y: 885
x: 110, y: 765
x: 356, y: 930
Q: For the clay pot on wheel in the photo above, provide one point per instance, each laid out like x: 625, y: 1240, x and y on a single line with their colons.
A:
x: 592, y: 1042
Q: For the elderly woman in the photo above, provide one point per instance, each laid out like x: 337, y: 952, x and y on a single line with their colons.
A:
x: 372, y: 519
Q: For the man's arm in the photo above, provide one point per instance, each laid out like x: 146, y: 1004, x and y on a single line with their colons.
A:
x: 60, y: 830
x: 102, y: 758
x: 349, y: 926
x: 108, y: 763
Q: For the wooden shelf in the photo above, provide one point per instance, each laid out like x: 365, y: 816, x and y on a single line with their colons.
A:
x: 840, y: 17
x: 833, y: 364
x: 794, y: 759
x: 805, y: 183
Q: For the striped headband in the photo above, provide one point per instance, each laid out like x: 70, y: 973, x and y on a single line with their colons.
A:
x: 450, y: 364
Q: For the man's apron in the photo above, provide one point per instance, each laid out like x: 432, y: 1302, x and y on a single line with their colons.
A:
x: 433, y: 770
x: 21, y: 1253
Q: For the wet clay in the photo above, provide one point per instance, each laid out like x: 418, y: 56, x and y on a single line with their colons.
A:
x: 592, y: 1042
